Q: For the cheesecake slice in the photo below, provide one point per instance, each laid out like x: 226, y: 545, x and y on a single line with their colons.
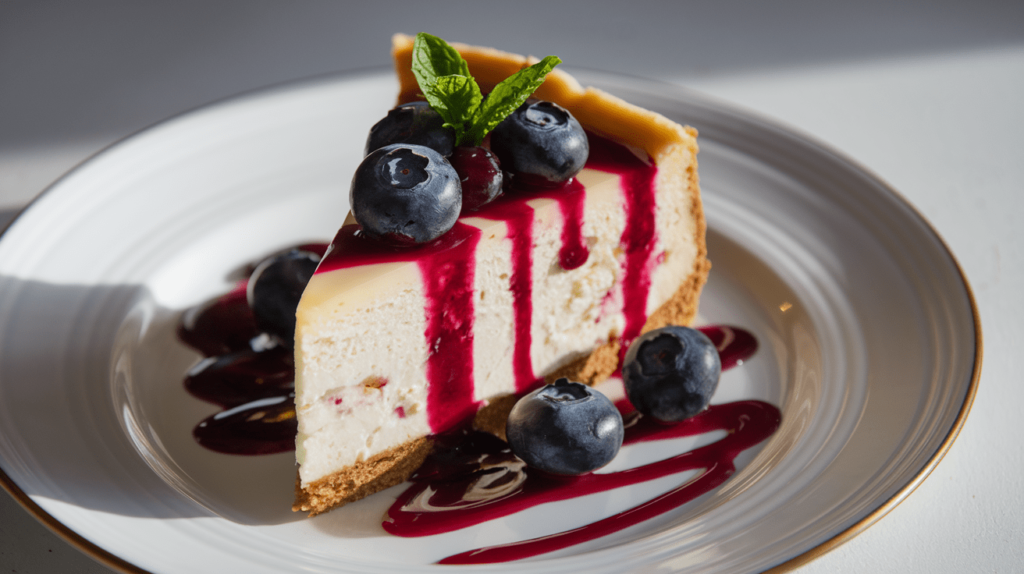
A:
x: 394, y: 346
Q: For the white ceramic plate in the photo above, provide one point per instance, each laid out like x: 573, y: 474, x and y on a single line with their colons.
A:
x: 870, y: 346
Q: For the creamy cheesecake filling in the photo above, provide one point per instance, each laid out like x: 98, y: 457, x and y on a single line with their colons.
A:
x: 391, y: 349
x: 500, y: 310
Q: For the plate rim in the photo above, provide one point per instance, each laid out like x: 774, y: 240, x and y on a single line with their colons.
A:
x: 907, y: 489
x: 936, y: 457
x: 111, y: 560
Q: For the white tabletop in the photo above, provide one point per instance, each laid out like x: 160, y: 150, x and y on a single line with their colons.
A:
x: 927, y: 95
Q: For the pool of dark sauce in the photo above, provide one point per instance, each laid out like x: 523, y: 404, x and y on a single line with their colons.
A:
x: 472, y: 477
x: 244, y: 373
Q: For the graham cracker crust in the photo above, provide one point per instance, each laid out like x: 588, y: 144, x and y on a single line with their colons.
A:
x: 362, y: 479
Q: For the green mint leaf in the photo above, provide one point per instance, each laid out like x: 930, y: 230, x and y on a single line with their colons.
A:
x: 505, y: 98
x: 432, y: 58
x: 444, y: 79
x: 456, y: 98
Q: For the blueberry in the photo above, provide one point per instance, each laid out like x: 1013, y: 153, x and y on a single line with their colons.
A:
x: 275, y: 288
x: 565, y: 428
x: 480, y: 174
x: 671, y: 373
x: 541, y: 144
x: 405, y: 194
x: 412, y: 123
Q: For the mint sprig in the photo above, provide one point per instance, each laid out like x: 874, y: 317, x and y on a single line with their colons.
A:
x: 450, y: 89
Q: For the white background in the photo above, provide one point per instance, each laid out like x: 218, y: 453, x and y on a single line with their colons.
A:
x: 927, y: 94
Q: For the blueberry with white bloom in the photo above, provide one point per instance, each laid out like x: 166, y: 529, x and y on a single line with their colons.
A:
x: 412, y: 123
x: 541, y: 143
x: 405, y: 195
x: 565, y: 428
x: 275, y: 288
x: 671, y: 373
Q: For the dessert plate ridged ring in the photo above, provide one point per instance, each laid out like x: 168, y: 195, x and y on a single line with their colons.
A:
x: 870, y: 346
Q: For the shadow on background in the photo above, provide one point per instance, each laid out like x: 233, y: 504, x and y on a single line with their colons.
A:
x: 91, y: 383
x: 59, y: 420
x: 104, y: 69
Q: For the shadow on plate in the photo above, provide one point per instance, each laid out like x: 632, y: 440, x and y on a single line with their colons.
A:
x: 61, y: 436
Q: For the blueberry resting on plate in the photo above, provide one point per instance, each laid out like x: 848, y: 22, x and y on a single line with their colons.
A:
x: 412, y: 123
x: 565, y: 428
x: 541, y: 143
x: 405, y: 194
x: 275, y: 288
x: 671, y: 373
x: 480, y: 174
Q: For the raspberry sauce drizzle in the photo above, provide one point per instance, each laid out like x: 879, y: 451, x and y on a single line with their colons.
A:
x: 518, y: 218
x: 473, y: 478
x: 571, y: 200
x: 514, y: 210
x: 637, y: 183
x: 446, y: 268
x: 639, y: 236
x: 734, y: 345
x: 448, y: 282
